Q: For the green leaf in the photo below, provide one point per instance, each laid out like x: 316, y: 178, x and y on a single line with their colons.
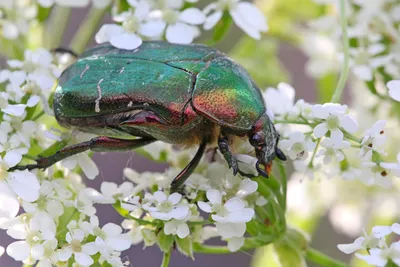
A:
x: 43, y: 13
x: 221, y: 29
x: 185, y: 246
x: 326, y: 87
x: 260, y: 59
x: 165, y: 241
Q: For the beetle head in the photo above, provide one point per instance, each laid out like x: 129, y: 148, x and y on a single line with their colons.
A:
x: 264, y: 138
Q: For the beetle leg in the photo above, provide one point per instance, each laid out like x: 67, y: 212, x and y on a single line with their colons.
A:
x: 188, y: 170
x: 101, y: 144
x: 223, y: 146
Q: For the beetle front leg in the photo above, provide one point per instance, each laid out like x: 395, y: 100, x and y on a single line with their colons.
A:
x: 223, y: 146
x: 100, y: 144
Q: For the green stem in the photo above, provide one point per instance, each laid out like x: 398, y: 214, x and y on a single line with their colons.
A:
x: 282, y: 172
x: 55, y: 26
x: 124, y: 213
x: 292, y: 122
x: 310, y: 165
x: 352, y: 137
x: 345, y: 69
x: 322, y: 259
x: 86, y: 29
x: 166, y: 259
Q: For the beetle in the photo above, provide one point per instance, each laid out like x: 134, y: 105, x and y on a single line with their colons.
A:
x: 180, y: 94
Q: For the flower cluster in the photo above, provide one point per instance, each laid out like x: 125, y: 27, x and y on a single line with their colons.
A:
x: 154, y: 20
x: 379, y: 253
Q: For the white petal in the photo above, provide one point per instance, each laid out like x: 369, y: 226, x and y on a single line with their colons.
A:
x: 64, y: 254
x: 175, y: 198
x: 320, y: 130
x: 374, y: 259
x: 212, y: 20
x: 253, y: 15
x: 180, y: 212
x: 12, y: 158
x: 160, y: 196
x: 170, y: 227
x: 229, y: 230
x: 120, y: 243
x: 204, y: 206
x: 297, y: 137
x: 395, y: 94
x: 108, y: 188
x: 192, y: 16
x: 88, y: 166
x: 234, y: 204
x: 336, y: 136
x: 90, y: 248
x: 9, y: 204
x: 14, y: 110
x: 128, y: 41
x: 247, y: 187
x: 37, y: 251
x: 152, y: 28
x: 349, y: 123
x: 351, y: 248
x: 183, y: 230
x: 70, y: 162
x: 381, y: 231
x: 19, y: 250
x: 214, y: 196
x: 33, y: 100
x: 107, y: 31
x: 235, y: 243
x: 112, y: 229
x: 24, y: 184
x: 83, y: 259
x: 180, y: 33
x: 363, y: 72
x: 1, y: 250
x: 396, y: 228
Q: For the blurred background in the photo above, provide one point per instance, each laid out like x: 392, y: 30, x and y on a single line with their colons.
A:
x: 276, y: 59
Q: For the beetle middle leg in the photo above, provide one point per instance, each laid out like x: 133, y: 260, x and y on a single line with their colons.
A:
x: 188, y: 170
x: 100, y: 144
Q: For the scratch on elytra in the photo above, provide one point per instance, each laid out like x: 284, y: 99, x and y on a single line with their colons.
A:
x: 122, y: 70
x: 85, y: 70
x: 97, y: 107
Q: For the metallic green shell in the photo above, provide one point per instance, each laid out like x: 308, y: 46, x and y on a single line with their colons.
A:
x: 159, y: 77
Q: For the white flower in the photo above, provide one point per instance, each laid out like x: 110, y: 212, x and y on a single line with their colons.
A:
x: 110, y: 239
x: 81, y: 252
x: 334, y: 118
x: 332, y: 149
x: 380, y: 257
x: 9, y: 205
x: 375, y: 174
x: 394, y: 89
x: 235, y: 243
x: 246, y: 187
x: 230, y: 217
x: 69, y: 3
x: 393, y: 167
x: 177, y: 227
x: 281, y: 100
x: 297, y: 146
x: 179, y: 25
x: 245, y: 15
x: 88, y: 166
x: 110, y: 192
x: 365, y: 60
x: 167, y: 208
x: 374, y: 139
x: 134, y: 24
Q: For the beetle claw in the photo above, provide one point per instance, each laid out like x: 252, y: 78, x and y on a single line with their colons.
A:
x: 261, y: 171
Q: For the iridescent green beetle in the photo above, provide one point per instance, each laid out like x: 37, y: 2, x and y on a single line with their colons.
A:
x: 180, y: 94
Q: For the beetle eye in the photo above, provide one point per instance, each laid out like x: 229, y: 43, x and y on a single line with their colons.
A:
x: 256, y: 140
